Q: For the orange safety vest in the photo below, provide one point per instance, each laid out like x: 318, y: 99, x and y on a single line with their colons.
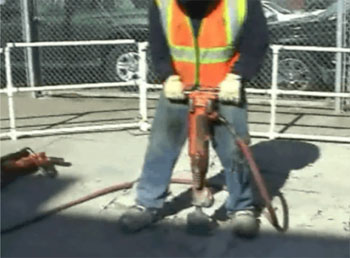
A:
x: 206, y: 59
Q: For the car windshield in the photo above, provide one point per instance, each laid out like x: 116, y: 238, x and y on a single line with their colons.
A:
x: 277, y: 8
x: 333, y: 9
x: 120, y: 5
x: 143, y: 4
x: 108, y: 6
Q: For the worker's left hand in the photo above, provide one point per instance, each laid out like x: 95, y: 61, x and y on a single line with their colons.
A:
x: 230, y: 89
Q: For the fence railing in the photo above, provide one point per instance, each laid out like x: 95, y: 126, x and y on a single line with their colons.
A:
x: 10, y: 90
x: 274, y: 92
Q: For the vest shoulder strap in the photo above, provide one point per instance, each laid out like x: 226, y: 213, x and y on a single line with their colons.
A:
x: 162, y: 3
x: 238, y: 7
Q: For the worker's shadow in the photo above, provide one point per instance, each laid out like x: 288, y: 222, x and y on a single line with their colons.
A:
x: 275, y: 159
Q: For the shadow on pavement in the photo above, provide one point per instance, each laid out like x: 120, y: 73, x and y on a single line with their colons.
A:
x: 97, y: 236
x: 275, y: 159
x: 79, y: 236
x: 23, y: 198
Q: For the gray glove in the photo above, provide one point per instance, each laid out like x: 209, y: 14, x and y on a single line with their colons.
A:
x: 230, y: 89
x: 173, y: 88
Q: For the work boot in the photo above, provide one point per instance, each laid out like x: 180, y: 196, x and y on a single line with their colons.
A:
x: 245, y: 223
x: 137, y: 218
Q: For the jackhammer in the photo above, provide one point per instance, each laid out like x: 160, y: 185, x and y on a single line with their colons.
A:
x: 202, y: 114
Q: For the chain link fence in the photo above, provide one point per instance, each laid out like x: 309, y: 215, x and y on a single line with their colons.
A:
x: 69, y: 20
x: 291, y: 22
x: 303, y: 23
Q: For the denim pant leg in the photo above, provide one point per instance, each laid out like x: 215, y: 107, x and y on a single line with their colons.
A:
x: 168, y: 134
x: 236, y: 169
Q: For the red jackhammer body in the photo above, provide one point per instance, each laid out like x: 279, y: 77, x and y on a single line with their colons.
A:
x: 201, y: 114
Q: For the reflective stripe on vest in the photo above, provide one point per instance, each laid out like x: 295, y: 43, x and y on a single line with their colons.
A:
x: 206, y: 55
x: 233, y: 12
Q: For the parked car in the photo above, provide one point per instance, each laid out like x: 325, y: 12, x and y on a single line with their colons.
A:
x: 302, y: 70
x: 60, y: 20
x: 311, y: 5
x: 273, y: 12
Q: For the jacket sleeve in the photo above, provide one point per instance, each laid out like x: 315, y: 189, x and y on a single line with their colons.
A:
x: 159, y: 50
x: 253, y: 42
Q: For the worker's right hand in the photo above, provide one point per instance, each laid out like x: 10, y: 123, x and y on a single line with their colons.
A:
x: 173, y: 88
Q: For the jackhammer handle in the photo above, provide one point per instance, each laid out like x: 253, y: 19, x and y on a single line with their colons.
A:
x: 49, y: 167
x: 213, y: 91
x: 59, y: 162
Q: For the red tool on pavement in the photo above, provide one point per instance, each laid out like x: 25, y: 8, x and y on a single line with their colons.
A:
x: 26, y: 161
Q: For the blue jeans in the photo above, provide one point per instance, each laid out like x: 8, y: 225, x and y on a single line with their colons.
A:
x: 168, y: 135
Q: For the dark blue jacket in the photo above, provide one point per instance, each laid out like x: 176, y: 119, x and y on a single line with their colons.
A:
x: 252, y: 42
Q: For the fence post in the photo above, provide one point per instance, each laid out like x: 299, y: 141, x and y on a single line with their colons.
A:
x: 10, y: 90
x: 339, y: 55
x: 274, y: 89
x: 30, y: 34
x: 142, y: 83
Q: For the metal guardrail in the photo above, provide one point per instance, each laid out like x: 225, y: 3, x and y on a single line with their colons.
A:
x: 143, y: 124
x: 275, y: 92
x: 10, y: 90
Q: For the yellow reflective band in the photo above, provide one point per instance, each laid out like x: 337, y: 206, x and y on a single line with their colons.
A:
x: 169, y: 16
x: 164, y: 6
x: 228, y: 24
x: 242, y: 10
x: 158, y: 3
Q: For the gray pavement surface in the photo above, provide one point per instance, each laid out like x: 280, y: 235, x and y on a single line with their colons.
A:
x: 312, y: 176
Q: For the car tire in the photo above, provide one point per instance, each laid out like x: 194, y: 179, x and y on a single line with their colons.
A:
x: 298, y: 71
x: 121, y: 65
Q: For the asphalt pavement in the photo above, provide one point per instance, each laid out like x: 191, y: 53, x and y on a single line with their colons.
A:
x: 312, y: 177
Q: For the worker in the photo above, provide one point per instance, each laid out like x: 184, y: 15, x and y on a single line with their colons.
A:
x: 202, y: 43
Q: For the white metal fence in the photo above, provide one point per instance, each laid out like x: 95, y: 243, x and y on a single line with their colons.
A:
x: 10, y: 90
x: 273, y: 94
